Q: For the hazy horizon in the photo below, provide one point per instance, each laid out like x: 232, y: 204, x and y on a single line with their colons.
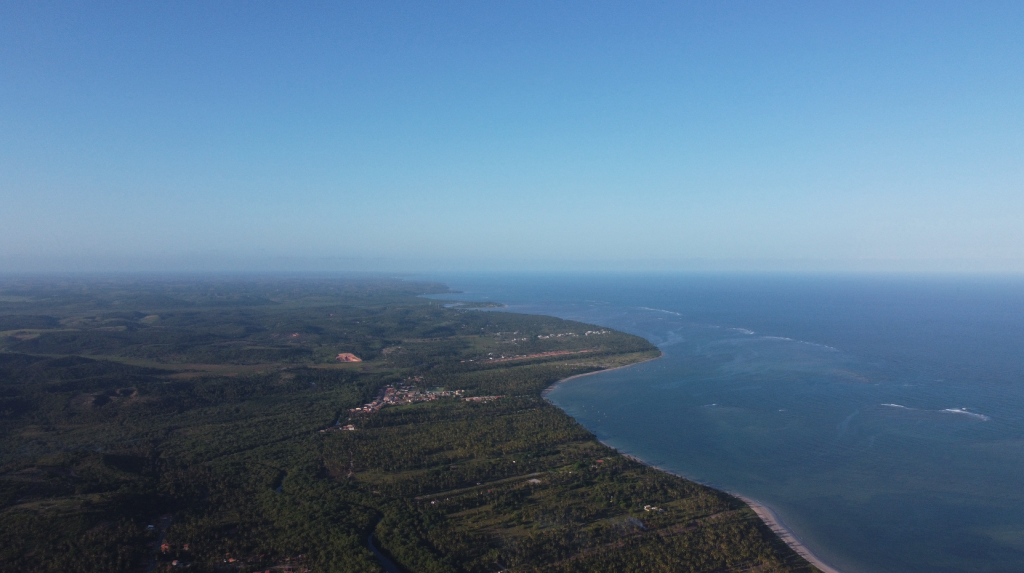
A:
x: 328, y: 266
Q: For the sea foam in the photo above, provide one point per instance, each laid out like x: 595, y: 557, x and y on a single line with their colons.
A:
x: 659, y: 310
x: 964, y: 411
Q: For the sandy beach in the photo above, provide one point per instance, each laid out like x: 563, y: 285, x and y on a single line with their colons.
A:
x: 552, y: 387
x: 772, y: 521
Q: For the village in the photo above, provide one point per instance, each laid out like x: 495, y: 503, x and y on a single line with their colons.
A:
x: 587, y: 333
x: 403, y: 394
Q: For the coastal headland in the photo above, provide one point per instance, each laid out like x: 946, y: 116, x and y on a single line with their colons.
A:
x: 209, y: 425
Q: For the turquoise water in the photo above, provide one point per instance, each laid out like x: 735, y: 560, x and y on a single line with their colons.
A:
x: 882, y: 418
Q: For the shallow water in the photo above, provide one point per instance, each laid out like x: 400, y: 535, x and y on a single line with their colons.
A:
x: 882, y: 418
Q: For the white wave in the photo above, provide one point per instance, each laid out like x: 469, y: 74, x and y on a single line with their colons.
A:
x: 964, y: 411
x: 659, y: 310
x: 825, y: 346
x: 743, y: 331
x: 788, y: 339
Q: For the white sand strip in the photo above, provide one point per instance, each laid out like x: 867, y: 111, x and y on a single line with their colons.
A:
x: 776, y: 525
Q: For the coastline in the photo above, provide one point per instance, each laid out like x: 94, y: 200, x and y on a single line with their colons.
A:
x: 775, y: 524
x: 763, y: 512
x: 544, y: 393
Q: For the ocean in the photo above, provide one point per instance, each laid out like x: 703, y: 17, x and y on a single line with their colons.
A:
x: 880, y: 417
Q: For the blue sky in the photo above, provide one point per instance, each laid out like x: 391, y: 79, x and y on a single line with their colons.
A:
x: 512, y: 136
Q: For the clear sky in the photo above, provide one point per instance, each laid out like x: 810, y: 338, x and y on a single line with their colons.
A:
x: 385, y: 135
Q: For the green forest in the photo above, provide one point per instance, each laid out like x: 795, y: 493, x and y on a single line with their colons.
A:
x: 209, y: 425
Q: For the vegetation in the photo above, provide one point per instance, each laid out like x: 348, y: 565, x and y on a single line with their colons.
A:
x: 201, y: 424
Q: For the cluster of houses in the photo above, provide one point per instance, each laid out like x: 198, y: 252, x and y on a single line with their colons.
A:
x: 401, y: 394
x: 587, y: 333
x: 166, y: 547
x: 396, y: 395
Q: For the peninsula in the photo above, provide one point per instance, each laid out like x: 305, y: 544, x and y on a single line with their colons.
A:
x: 283, y: 424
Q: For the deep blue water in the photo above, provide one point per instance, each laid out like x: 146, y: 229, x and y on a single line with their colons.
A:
x: 881, y: 417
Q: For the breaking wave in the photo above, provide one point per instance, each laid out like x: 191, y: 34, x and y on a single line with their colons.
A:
x: 964, y: 411
x: 659, y: 310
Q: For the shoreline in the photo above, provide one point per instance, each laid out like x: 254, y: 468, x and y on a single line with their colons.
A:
x: 763, y: 512
x: 785, y: 534
x: 544, y: 392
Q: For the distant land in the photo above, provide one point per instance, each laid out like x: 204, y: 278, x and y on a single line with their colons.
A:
x: 326, y: 425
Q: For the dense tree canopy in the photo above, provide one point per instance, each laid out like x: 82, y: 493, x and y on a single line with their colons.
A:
x: 169, y: 423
